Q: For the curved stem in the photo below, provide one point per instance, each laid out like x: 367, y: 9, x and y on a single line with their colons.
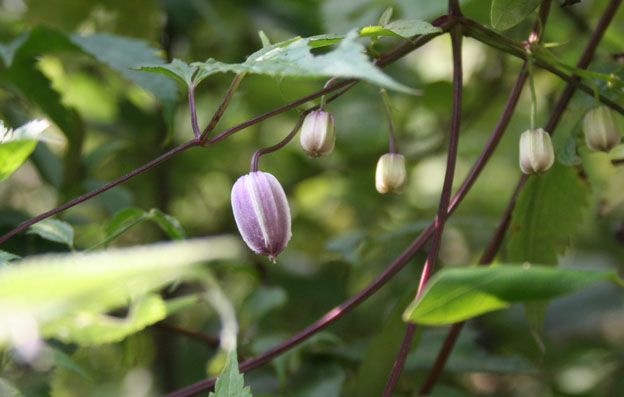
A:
x: 494, y: 245
x: 533, y: 95
x: 193, y: 111
x: 386, y: 101
x: 281, y: 144
x: 495, y: 40
x: 224, y: 104
x: 440, y: 220
x: 337, y: 312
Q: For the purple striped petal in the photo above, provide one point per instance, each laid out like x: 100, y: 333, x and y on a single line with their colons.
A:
x: 261, y: 212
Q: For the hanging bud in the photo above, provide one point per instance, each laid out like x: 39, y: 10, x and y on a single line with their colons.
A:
x: 391, y: 173
x: 261, y: 213
x: 536, y: 151
x: 317, y: 133
x: 601, y: 130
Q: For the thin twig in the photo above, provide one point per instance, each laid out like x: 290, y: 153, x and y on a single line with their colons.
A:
x: 337, y: 312
x: 99, y: 190
x: 224, y: 104
x: 494, y: 245
x: 281, y: 144
x: 495, y: 40
x: 434, y: 249
x: 193, y: 111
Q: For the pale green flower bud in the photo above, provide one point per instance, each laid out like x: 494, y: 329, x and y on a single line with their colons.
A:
x: 536, y: 151
x: 601, y: 130
x: 391, y: 174
x: 317, y: 133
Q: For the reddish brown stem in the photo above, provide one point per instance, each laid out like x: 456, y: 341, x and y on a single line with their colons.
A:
x: 440, y: 220
x: 494, y: 245
x: 340, y: 310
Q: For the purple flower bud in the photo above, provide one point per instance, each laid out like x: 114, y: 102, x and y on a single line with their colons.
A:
x: 536, y: 151
x: 601, y: 129
x: 317, y: 133
x: 261, y: 213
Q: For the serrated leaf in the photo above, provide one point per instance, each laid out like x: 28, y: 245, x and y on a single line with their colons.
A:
x: 548, y: 213
x: 70, y: 288
x: 402, y: 28
x: 506, y: 14
x: 231, y: 383
x: 294, y: 58
x: 54, y: 230
x: 16, y: 145
x: 125, y: 55
x: 457, y: 294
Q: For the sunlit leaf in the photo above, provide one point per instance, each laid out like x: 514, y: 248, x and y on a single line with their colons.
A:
x: 506, y: 14
x: 124, y: 54
x: 73, y: 288
x: 54, y: 230
x: 294, y: 58
x: 16, y: 145
x: 456, y: 294
x: 402, y: 28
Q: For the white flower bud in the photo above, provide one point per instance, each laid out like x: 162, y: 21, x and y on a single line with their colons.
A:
x: 391, y: 173
x: 601, y: 129
x: 317, y: 133
x: 261, y: 212
x: 536, y: 151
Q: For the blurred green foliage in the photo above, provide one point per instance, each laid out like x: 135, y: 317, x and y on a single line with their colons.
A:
x: 105, y: 123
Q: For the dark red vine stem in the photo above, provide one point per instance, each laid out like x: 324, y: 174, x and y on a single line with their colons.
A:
x: 340, y: 310
x: 494, y: 245
x: 440, y: 220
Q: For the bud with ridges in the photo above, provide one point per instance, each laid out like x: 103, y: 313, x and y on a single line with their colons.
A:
x: 601, y: 129
x: 261, y: 212
x: 536, y: 151
x: 391, y: 173
x: 317, y: 133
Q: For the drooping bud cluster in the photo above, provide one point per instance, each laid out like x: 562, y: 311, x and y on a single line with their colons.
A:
x: 391, y: 174
x: 261, y: 212
x: 317, y: 133
x: 601, y: 129
x: 536, y: 151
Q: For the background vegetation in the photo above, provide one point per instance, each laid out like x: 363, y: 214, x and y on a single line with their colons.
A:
x: 108, y: 119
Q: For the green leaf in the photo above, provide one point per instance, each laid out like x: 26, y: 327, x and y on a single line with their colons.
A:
x: 70, y: 290
x: 506, y: 14
x: 124, y: 55
x: 264, y: 39
x: 7, y: 51
x: 167, y: 223
x: 6, y: 257
x: 294, y: 58
x: 548, y: 213
x: 457, y: 294
x: 177, y: 69
x: 231, y: 382
x: 372, y: 373
x: 54, y: 230
x: 63, y: 360
x: 7, y: 389
x: 402, y: 29
x: 16, y: 145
